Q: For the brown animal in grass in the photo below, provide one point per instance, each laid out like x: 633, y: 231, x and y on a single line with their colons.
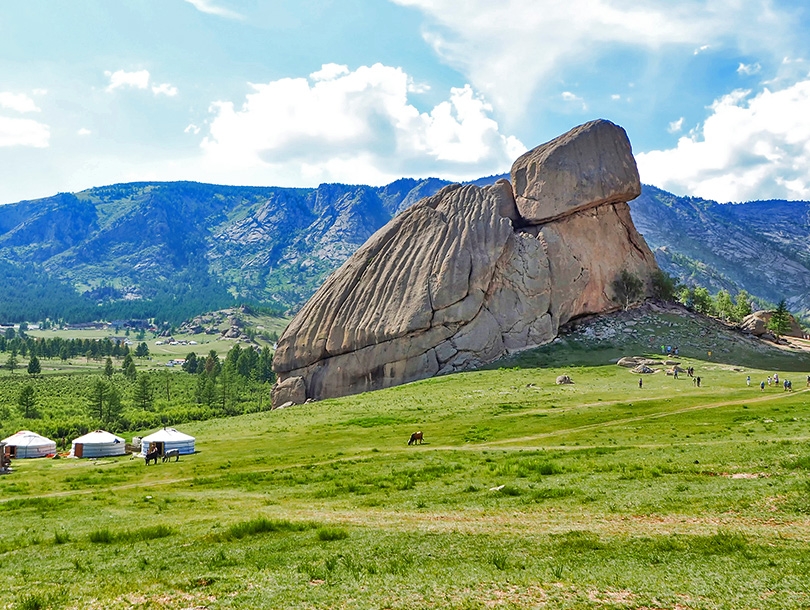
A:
x: 152, y: 455
x: 416, y: 436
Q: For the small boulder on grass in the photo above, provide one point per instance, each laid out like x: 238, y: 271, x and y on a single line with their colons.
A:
x: 643, y: 368
x: 564, y: 380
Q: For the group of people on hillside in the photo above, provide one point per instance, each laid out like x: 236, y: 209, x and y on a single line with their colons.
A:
x: 786, y: 383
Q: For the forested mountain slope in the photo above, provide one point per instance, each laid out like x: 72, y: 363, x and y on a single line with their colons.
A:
x: 174, y: 249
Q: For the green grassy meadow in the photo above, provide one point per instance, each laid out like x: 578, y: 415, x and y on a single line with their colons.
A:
x: 524, y: 494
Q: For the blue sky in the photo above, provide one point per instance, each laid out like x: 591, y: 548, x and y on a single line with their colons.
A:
x: 714, y: 94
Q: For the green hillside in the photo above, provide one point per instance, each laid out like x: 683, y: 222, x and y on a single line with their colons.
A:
x: 524, y: 494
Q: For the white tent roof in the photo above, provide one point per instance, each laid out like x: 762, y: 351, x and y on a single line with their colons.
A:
x: 26, y: 438
x: 98, y: 437
x: 166, y: 435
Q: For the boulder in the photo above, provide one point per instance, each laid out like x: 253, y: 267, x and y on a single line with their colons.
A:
x: 643, y: 368
x: 290, y: 390
x: 591, y: 165
x: 757, y: 324
x: 462, y: 278
x: 564, y: 380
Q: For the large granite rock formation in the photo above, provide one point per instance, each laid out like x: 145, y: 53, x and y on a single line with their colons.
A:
x: 463, y: 277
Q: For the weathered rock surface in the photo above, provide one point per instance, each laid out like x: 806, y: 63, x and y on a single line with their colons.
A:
x: 465, y: 276
x: 757, y: 324
x: 590, y: 165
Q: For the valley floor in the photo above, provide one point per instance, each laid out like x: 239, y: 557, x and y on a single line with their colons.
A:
x: 525, y: 494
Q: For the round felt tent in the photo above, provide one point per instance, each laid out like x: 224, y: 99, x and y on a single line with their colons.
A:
x: 98, y: 444
x: 27, y: 444
x: 166, y: 439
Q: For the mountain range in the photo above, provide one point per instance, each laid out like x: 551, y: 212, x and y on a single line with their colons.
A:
x: 171, y: 250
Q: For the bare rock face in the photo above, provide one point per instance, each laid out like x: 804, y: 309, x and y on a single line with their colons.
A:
x: 757, y: 324
x: 590, y: 165
x: 465, y: 276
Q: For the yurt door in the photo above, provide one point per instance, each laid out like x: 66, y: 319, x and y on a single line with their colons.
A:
x: 78, y: 449
x: 11, y: 451
x: 159, y: 446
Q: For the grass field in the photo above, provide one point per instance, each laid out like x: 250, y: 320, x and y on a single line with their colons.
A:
x: 525, y: 494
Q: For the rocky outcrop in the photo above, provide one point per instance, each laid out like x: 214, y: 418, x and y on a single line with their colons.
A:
x: 757, y: 324
x: 470, y: 274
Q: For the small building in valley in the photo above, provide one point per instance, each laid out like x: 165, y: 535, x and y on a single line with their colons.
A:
x: 98, y: 443
x: 27, y: 444
x: 166, y: 439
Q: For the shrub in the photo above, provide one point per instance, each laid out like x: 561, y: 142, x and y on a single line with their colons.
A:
x: 103, y: 536
x: 329, y: 534
x: 262, y: 525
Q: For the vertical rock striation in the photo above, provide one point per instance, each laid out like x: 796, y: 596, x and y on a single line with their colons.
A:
x: 463, y: 277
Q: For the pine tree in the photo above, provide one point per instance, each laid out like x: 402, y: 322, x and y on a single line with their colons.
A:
x: 779, y: 324
x: 34, y: 367
x: 11, y: 361
x: 27, y: 403
x: 143, y: 395
x: 109, y: 371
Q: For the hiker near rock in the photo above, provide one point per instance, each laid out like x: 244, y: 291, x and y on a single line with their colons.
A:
x: 641, y: 382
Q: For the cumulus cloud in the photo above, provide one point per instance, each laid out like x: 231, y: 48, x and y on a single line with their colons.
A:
x: 23, y: 132
x: 18, y: 102
x: 752, y: 146
x: 675, y: 126
x: 138, y: 80
x: 83, y: 132
x: 535, y: 40
x: 749, y: 69
x: 164, y: 89
x: 207, y: 6
x: 121, y: 78
x: 354, y: 126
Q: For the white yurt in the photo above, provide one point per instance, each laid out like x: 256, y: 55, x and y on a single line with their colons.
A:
x: 98, y: 444
x: 27, y: 444
x: 166, y: 439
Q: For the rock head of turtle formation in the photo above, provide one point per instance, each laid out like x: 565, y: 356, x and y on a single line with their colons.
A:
x: 470, y: 274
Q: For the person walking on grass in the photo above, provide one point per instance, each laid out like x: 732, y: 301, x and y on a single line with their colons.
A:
x: 697, y: 379
x: 640, y: 382
x: 748, y: 381
x: 762, y: 386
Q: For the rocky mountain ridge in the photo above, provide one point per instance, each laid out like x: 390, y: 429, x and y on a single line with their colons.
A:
x: 173, y: 250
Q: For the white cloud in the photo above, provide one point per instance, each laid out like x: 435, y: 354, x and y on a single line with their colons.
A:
x: 208, y: 6
x: 24, y: 132
x: 18, y: 102
x: 192, y: 129
x: 536, y: 41
x: 353, y: 127
x: 138, y: 80
x: 164, y: 89
x: 329, y: 72
x: 615, y: 97
x: 121, y: 78
x: 750, y: 147
x: 83, y: 132
x: 675, y: 126
x: 701, y: 49
x: 568, y: 96
x: 749, y: 69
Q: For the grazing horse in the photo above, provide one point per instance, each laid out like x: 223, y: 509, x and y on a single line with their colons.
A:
x: 172, y: 453
x: 416, y: 436
x: 152, y: 456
